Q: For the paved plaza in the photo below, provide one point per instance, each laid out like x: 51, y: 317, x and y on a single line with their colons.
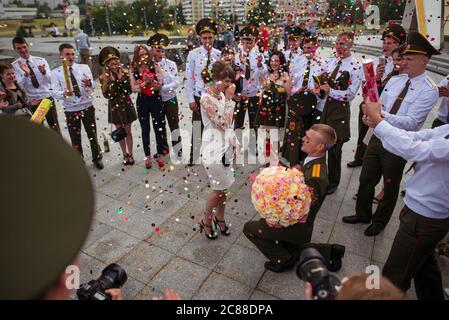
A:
x: 147, y: 221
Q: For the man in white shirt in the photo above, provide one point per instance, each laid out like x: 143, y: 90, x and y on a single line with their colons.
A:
x: 443, y: 111
x: 424, y: 220
x: 393, y: 36
x: 303, y: 103
x: 34, y: 75
x: 82, y: 44
x: 170, y: 83
x: 199, y: 60
x: 77, y: 100
x: 344, y: 79
x: 248, y: 61
x: 294, y: 54
x: 406, y: 101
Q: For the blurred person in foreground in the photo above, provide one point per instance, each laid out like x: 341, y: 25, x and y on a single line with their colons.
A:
x: 42, y: 239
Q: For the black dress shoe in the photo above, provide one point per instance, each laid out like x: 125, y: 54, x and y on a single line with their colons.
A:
x: 337, y: 253
x: 331, y: 190
x: 355, y: 163
x: 280, y: 267
x: 354, y: 219
x: 373, y: 230
x: 98, y: 164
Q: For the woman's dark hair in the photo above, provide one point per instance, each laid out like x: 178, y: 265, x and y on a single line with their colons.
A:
x: 282, y: 60
x: 220, y: 71
x: 137, y: 62
x: 399, y: 50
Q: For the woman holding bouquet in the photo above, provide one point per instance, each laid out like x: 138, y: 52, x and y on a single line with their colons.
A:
x: 116, y: 87
x: 148, y: 83
x: 218, y: 142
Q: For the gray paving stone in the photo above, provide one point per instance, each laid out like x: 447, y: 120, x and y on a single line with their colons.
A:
x: 99, y: 178
x: 97, y: 231
x: 140, y: 196
x: 148, y: 293
x: 136, y: 173
x: 353, y: 263
x: 116, y: 187
x: 144, y: 261
x: 131, y: 288
x: 114, y: 210
x: 191, y: 213
x: 242, y: 264
x: 286, y: 285
x: 205, y: 252
x: 90, y: 268
x: 382, y: 248
x: 244, y: 242
x: 321, y: 230
x: 329, y: 210
x: 172, y: 237
x: 219, y: 287
x: 353, y: 238
x: 182, y: 276
x: 112, y: 247
x: 101, y: 200
x: 139, y: 224
x: 260, y: 295
x: 165, y: 205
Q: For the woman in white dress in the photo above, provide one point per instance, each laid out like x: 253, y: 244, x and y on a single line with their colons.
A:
x: 218, y: 143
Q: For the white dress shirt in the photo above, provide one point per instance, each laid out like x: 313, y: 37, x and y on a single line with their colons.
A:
x: 428, y: 188
x: 422, y: 95
x: 309, y: 158
x: 73, y: 103
x: 170, y: 79
x: 196, y: 62
x: 295, y: 59
x: 251, y: 87
x: 443, y: 111
x: 41, y: 92
x: 354, y: 68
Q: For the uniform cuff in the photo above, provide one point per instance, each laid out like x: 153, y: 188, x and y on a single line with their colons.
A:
x: 382, y: 129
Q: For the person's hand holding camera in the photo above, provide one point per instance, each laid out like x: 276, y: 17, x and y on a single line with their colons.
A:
x: 116, y: 294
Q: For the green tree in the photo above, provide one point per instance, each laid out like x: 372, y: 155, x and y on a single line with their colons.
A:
x: 43, y: 10
x: 390, y: 10
x: 263, y: 11
x: 180, y: 14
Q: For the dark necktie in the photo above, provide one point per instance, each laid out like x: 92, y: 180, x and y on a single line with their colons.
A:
x: 289, y: 61
x: 208, y: 59
x: 398, y: 102
x: 247, y: 68
x: 305, y: 81
x: 334, y: 73
x: 33, y: 78
x: 391, y: 74
x: 76, y: 88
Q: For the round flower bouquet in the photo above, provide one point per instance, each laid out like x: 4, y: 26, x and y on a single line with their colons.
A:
x: 281, y: 196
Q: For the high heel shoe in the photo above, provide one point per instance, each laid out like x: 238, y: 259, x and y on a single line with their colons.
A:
x: 224, y: 231
x: 160, y: 161
x: 130, y: 160
x: 126, y: 159
x: 147, y: 163
x: 211, y: 236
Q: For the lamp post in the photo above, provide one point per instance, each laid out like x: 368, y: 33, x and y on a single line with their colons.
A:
x: 108, y: 22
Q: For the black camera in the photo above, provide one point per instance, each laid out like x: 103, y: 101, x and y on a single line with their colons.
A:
x: 311, y: 268
x: 112, y: 277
